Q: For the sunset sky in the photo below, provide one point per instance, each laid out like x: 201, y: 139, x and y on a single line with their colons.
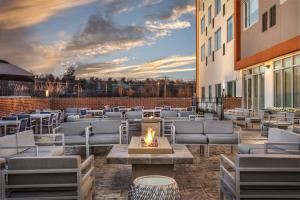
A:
x: 102, y: 38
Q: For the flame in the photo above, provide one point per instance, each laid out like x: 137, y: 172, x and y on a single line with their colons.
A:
x: 149, y: 137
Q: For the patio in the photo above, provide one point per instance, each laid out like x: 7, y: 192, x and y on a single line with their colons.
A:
x: 200, y: 180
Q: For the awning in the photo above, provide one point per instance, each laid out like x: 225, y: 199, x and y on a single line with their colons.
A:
x: 14, y: 73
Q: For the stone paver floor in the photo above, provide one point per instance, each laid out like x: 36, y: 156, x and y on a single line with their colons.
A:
x: 198, y: 181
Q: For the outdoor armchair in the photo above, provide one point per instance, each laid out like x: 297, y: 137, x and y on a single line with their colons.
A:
x: 63, y: 177
x: 279, y: 141
x: 260, y: 177
x: 27, y: 144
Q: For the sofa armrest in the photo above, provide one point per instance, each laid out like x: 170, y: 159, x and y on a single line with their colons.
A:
x: 87, y: 169
x: 237, y: 131
x: 173, y: 133
x: 225, y: 161
x: 88, y: 132
x: 55, y: 130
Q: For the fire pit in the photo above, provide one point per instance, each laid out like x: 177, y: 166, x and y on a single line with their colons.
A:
x: 149, y: 144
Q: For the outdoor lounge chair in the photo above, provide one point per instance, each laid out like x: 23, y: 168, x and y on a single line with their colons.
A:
x: 105, y: 133
x: 134, y: 115
x: 221, y: 132
x: 279, y: 141
x: 189, y: 133
x: 113, y: 115
x: 24, y: 144
x: 169, y: 113
x: 260, y: 177
x: 74, y: 133
x: 186, y: 113
x: 63, y: 177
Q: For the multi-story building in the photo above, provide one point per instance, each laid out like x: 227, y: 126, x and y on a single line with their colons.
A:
x: 215, y: 39
x: 266, y: 52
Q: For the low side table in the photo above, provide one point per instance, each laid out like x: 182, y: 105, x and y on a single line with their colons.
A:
x: 154, y: 187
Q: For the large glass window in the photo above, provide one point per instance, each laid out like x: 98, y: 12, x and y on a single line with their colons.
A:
x: 229, y: 29
x: 297, y: 87
x: 203, y: 93
x: 278, y: 93
x: 203, y: 52
x: 218, y: 90
x: 218, y: 39
x: 202, y: 24
x: 251, y: 12
x: 217, y: 7
x: 231, y: 89
x: 209, y: 15
x: 287, y: 82
x: 288, y: 87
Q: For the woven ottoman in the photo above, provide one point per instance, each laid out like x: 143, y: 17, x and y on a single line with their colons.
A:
x: 154, y: 187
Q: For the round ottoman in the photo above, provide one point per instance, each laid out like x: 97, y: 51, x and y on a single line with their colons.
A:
x: 154, y: 187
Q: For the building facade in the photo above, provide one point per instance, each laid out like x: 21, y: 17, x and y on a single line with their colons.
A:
x: 265, y: 53
x: 216, y: 74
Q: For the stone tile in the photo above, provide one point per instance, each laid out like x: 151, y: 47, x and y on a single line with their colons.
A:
x: 197, y: 181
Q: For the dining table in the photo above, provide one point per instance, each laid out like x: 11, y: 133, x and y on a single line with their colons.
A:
x: 39, y: 118
x: 6, y: 123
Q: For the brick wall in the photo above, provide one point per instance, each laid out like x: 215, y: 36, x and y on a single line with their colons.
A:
x: 232, y: 102
x: 97, y: 103
x: 9, y: 105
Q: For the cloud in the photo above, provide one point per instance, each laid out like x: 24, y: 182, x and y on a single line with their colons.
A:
x: 25, y: 13
x: 154, y: 69
x: 175, y: 10
x: 122, y: 6
x: 119, y: 61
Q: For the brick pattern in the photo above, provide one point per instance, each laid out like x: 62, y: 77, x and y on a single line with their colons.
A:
x: 11, y: 105
x: 232, y: 102
x: 16, y: 105
x: 97, y: 103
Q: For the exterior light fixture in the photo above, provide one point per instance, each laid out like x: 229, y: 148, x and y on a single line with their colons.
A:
x: 47, y: 93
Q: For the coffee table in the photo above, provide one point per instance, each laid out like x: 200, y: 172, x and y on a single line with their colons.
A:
x: 150, y: 164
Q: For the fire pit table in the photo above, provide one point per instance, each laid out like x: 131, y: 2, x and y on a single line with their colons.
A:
x: 148, y: 160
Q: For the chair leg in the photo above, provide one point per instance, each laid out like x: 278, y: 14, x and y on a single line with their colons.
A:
x: 221, y: 195
x: 207, y: 151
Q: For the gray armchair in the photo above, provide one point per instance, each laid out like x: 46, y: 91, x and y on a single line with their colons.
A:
x: 260, y: 177
x: 279, y: 141
x: 63, y: 177
x: 189, y: 133
x: 25, y: 143
x: 221, y: 132
x: 113, y: 115
x: 104, y: 133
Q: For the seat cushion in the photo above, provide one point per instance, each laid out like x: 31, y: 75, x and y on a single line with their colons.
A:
x: 73, y: 140
x: 73, y: 128
x: 191, y: 139
x: 222, y: 138
x: 188, y: 127
x: 106, y: 126
x: 249, y: 148
x: 218, y: 127
x: 104, y: 139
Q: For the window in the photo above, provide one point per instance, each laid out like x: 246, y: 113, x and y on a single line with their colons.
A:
x: 231, y: 88
x: 251, y: 12
x: 264, y: 21
x: 203, y: 93
x: 209, y: 15
x: 229, y: 29
x: 218, y: 39
x: 218, y: 90
x: 287, y: 82
x: 273, y: 16
x: 209, y: 46
x: 202, y: 24
x: 209, y: 93
x: 217, y: 7
x: 202, y: 52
